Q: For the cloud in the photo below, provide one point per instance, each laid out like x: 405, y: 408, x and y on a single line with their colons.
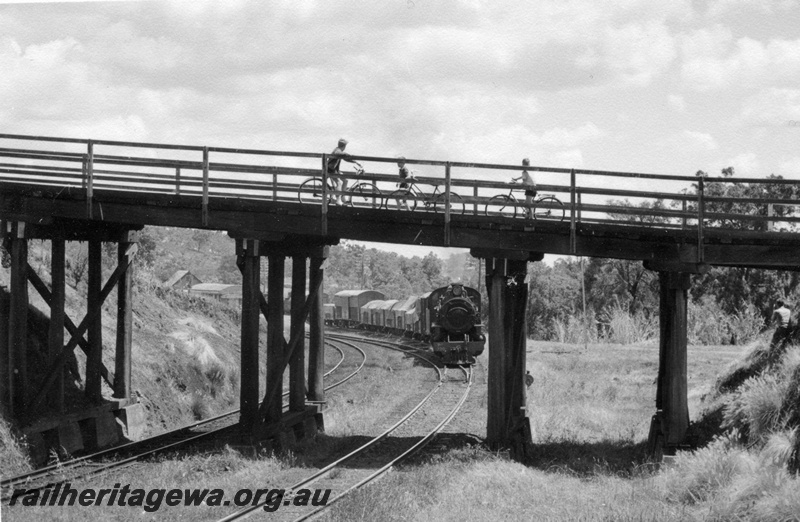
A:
x: 772, y: 107
x: 676, y: 102
x: 712, y: 60
x: 746, y: 164
x: 700, y: 139
x: 790, y: 168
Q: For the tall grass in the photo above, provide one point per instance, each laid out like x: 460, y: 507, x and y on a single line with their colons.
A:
x: 13, y: 454
x: 576, y: 328
x: 627, y: 328
x: 708, y: 324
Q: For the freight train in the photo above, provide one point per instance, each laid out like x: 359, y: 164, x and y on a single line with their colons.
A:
x: 449, y: 318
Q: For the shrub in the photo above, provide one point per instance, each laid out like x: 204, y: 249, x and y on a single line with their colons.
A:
x: 755, y: 408
x: 745, y: 324
x: 700, y: 475
x: 707, y: 322
x: 575, y: 328
x: 200, y: 407
x: 627, y: 328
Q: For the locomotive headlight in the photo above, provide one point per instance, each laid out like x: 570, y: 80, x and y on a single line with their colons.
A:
x: 457, y: 289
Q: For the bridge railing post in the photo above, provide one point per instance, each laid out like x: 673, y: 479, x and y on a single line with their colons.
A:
x: 89, y: 178
x: 324, y: 223
x: 205, y: 187
x: 572, y: 214
x: 447, y: 204
x: 177, y: 181
x: 700, y: 218
x: 770, y: 213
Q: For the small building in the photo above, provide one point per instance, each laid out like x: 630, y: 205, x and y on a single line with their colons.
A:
x: 182, y: 280
x: 218, y: 291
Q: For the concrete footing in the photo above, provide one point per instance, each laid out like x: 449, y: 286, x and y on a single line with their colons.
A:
x: 91, y: 430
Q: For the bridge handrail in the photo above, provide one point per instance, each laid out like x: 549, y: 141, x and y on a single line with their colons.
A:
x: 234, y: 179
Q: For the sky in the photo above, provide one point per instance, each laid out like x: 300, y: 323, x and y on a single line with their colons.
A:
x: 625, y: 85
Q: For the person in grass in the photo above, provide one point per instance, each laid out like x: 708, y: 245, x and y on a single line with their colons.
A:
x: 781, y: 319
x: 529, y: 184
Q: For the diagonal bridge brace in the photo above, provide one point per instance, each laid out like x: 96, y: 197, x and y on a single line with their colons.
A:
x: 47, y: 295
x: 288, y: 348
x: 57, y: 365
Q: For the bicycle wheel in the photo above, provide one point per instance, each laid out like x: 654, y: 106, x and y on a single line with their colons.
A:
x: 365, y: 195
x: 310, y: 191
x: 456, y: 204
x: 553, y: 209
x: 400, y: 200
x: 501, y: 205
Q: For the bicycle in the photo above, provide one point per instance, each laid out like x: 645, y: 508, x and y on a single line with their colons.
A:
x: 545, y: 206
x: 362, y: 194
x: 407, y: 199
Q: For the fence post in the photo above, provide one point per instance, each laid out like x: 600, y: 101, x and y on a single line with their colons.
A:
x: 89, y: 178
x: 324, y: 223
x: 177, y: 180
x: 274, y: 186
x: 572, y: 240
x: 578, y: 195
x: 700, y: 218
x: 205, y: 186
x: 447, y: 204
x: 475, y: 195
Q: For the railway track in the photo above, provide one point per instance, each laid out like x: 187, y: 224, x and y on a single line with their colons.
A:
x: 386, y: 449
x: 132, y: 452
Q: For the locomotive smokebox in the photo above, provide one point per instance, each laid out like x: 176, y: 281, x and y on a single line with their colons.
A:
x: 457, y: 315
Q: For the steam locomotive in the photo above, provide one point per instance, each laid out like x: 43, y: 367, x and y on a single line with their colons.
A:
x: 448, y: 317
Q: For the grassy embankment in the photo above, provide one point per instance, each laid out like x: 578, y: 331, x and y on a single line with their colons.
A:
x: 590, y: 414
x: 590, y: 410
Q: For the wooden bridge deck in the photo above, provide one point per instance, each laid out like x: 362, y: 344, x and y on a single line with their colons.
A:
x: 43, y: 183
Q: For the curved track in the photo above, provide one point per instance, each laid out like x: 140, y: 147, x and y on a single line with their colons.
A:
x: 363, y: 466
x: 131, y: 452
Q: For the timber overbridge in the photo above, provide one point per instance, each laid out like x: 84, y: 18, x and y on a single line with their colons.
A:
x: 64, y: 189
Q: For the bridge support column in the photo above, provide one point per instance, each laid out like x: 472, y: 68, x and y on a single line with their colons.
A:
x: 122, y: 358
x: 275, y: 341
x: 94, y: 359
x: 507, y: 422
x: 250, y: 264
x: 671, y: 421
x: 297, y: 362
x: 316, y: 342
x: 17, y: 369
x: 269, y: 420
x: 57, y: 315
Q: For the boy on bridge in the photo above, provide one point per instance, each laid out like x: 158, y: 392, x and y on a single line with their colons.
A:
x: 529, y: 184
x: 334, y: 160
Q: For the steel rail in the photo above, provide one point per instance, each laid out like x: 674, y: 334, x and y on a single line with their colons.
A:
x: 424, y: 441
x: 247, y: 511
x: 37, y: 474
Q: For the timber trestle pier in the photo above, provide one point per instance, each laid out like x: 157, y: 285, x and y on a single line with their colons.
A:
x: 101, y: 191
